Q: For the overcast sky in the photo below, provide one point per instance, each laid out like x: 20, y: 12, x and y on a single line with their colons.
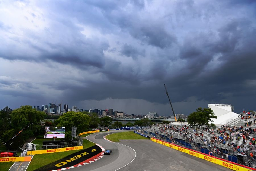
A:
x: 118, y: 54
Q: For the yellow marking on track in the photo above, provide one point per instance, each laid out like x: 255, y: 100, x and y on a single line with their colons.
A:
x: 19, y: 166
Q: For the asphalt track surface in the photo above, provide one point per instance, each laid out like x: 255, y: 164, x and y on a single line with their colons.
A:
x: 150, y: 156
x: 156, y: 157
x: 112, y: 162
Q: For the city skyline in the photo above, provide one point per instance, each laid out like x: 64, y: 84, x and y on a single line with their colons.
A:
x: 119, y: 54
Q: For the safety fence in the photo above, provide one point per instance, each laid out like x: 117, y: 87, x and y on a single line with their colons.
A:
x: 15, y: 159
x: 222, y: 162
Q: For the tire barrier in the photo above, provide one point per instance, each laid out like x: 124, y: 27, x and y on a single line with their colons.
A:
x: 54, y: 150
x: 74, y: 159
x: 15, y: 159
x: 222, y: 162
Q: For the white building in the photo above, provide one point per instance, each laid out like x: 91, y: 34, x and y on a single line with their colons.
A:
x: 151, y: 115
x: 224, y: 113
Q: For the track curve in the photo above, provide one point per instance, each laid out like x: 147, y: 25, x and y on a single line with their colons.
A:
x: 152, y: 157
x: 121, y: 155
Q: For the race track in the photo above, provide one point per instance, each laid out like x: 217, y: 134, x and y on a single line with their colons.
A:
x: 111, y: 162
x: 150, y: 156
x: 156, y: 157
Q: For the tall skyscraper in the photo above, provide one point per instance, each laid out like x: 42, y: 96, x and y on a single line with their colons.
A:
x: 65, y: 107
x: 110, y: 112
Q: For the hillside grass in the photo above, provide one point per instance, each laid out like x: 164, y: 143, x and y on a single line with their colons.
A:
x: 40, y: 160
x: 5, y: 166
x: 116, y: 137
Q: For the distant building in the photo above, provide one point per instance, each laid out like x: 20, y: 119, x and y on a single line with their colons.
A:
x: 96, y: 111
x: 59, y: 109
x: 104, y: 113
x: 151, y: 115
x: 38, y: 108
x: 42, y: 108
x: 110, y: 112
x: 180, y: 116
x: 224, y: 113
x: 120, y: 114
x: 65, y: 108
x: 74, y: 109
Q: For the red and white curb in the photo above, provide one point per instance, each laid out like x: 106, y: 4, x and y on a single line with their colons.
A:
x: 126, y: 146
x: 88, y: 161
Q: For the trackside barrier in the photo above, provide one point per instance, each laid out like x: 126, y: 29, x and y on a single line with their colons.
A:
x: 61, y: 149
x: 54, y: 150
x: 89, y: 132
x: 15, y: 159
x: 216, y: 160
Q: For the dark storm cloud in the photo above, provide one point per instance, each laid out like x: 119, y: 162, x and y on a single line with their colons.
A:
x: 150, y: 34
x: 201, y: 50
x: 131, y: 51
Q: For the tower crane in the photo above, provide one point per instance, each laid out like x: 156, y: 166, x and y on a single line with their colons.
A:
x: 170, y: 102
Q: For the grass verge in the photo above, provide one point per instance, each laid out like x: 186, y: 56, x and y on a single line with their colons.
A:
x: 5, y: 166
x: 40, y: 160
x: 124, y: 135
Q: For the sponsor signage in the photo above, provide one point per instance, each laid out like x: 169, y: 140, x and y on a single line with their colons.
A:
x: 215, y: 160
x: 89, y: 132
x: 15, y: 159
x: 73, y: 159
x: 54, y: 150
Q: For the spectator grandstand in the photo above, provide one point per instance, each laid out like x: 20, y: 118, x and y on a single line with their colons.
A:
x: 234, y: 141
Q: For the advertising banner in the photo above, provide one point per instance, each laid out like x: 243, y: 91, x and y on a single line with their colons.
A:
x: 89, y: 132
x: 221, y: 162
x: 73, y: 159
x: 15, y: 159
x: 54, y: 150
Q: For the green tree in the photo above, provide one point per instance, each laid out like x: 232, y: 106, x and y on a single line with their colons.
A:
x: 25, y: 123
x: 105, y: 121
x: 129, y: 124
x: 166, y: 122
x: 117, y: 124
x: 143, y: 122
x: 5, y: 122
x: 181, y: 120
x: 74, y: 119
x: 201, y: 117
x: 94, y: 120
x: 26, y: 117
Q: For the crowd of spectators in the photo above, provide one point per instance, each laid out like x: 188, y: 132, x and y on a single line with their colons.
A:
x: 233, y: 143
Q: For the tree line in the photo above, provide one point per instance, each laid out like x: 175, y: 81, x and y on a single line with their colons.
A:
x: 19, y: 125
